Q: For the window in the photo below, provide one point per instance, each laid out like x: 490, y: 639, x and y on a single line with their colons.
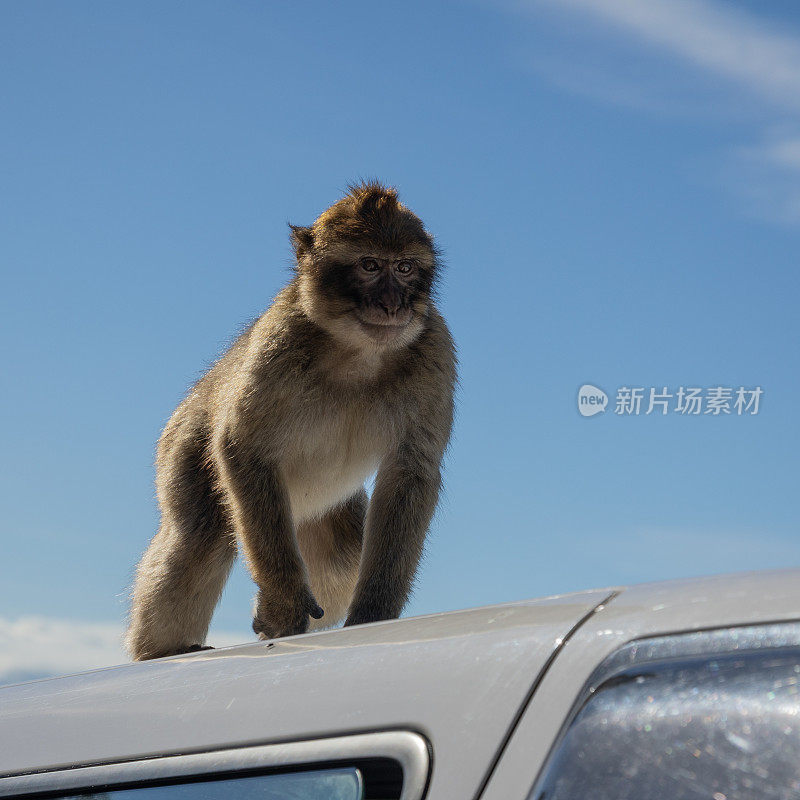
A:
x: 333, y: 784
x: 372, y: 766
x: 377, y: 779
x: 711, y: 715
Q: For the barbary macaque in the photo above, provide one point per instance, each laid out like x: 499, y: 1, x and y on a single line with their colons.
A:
x: 351, y: 370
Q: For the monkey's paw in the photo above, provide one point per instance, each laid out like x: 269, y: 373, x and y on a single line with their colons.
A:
x: 366, y: 614
x: 285, y: 616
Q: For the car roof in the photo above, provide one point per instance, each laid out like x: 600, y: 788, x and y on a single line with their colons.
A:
x: 459, y: 678
x: 446, y: 676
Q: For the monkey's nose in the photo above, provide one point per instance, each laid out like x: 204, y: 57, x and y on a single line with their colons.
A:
x: 390, y: 305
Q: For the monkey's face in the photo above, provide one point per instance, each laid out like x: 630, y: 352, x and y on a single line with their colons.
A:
x: 366, y: 270
x: 384, y: 290
x: 373, y: 296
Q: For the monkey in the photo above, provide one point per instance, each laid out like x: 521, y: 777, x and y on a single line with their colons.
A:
x: 350, y: 373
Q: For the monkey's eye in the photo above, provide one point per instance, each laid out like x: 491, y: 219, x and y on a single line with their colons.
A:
x: 370, y: 265
x: 405, y: 267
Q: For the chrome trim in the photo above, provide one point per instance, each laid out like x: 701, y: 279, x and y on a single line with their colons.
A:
x: 410, y: 750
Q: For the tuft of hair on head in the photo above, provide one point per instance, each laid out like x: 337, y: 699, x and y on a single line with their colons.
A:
x: 371, y: 212
x: 371, y: 197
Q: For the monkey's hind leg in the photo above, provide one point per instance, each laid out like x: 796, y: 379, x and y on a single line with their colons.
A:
x: 182, y: 573
x: 331, y: 550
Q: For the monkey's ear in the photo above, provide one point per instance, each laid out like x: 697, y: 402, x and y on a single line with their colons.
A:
x: 302, y: 238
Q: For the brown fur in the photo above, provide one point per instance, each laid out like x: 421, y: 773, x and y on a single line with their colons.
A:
x: 351, y: 369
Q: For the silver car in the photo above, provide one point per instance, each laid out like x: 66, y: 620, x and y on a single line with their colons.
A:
x: 680, y: 690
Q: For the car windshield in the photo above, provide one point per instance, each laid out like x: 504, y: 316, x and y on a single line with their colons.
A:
x: 720, y: 726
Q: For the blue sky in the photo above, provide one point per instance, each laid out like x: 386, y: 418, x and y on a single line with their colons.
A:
x: 615, y: 186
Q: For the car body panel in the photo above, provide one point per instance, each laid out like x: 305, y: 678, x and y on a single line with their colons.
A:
x: 459, y: 679
x: 634, y: 613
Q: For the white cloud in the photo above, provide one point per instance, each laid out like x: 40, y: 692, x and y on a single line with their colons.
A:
x: 612, y: 87
x: 34, y: 646
x: 711, y: 35
x: 712, y: 45
x: 767, y: 176
x: 784, y: 153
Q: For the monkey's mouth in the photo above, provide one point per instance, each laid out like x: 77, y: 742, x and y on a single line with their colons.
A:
x: 383, y: 327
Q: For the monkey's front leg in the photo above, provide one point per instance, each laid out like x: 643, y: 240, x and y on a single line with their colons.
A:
x: 400, y: 511
x: 263, y: 523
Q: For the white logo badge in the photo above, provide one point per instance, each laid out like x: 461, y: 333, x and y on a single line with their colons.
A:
x: 591, y: 400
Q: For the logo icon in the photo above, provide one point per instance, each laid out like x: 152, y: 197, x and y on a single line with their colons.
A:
x: 591, y: 400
